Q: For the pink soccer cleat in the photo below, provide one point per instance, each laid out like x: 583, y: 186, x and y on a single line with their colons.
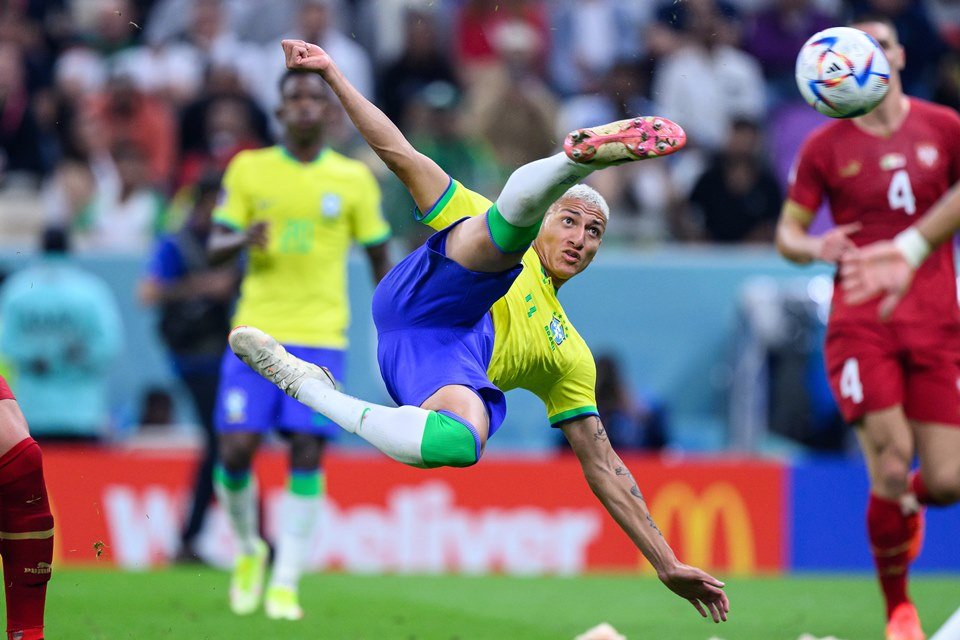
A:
x: 625, y: 140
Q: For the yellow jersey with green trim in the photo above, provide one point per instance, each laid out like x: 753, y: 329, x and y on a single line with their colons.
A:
x: 296, y: 288
x: 535, y: 347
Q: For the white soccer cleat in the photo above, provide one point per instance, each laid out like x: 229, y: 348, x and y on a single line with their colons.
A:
x: 281, y: 603
x: 246, y: 583
x: 262, y: 353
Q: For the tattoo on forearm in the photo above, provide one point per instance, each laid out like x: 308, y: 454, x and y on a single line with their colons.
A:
x: 635, y: 491
x: 599, y: 435
x: 653, y: 525
x: 622, y: 471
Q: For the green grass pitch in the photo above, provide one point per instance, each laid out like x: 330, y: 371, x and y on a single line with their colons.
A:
x: 192, y: 603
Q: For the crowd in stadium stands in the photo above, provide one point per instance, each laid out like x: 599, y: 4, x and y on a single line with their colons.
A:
x: 110, y: 110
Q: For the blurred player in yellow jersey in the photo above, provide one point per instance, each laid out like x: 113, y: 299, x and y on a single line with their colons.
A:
x: 474, y: 312
x: 295, y: 208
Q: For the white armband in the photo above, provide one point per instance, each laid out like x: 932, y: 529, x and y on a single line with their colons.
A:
x: 914, y: 247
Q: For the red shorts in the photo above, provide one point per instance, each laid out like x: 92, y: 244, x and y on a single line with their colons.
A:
x: 5, y: 393
x: 874, y: 366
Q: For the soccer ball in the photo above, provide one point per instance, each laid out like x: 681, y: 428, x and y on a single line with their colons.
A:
x: 842, y: 72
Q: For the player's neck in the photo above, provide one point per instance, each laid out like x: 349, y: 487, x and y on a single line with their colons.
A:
x: 887, y: 118
x: 303, y: 150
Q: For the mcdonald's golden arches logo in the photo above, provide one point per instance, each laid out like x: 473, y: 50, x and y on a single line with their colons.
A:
x: 699, y: 518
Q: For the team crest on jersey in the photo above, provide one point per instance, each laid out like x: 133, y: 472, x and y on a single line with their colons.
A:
x: 893, y: 161
x: 330, y: 205
x: 557, y: 331
x: 850, y: 169
x: 928, y: 154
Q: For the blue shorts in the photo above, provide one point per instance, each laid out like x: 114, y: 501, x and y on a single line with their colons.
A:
x: 248, y: 402
x: 434, y: 327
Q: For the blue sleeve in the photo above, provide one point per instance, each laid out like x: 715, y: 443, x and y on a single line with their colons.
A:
x: 166, y: 264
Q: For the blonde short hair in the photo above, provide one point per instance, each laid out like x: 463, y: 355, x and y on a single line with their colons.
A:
x: 589, y: 196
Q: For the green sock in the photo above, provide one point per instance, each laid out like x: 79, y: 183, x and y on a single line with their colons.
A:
x: 449, y: 441
x: 508, y: 237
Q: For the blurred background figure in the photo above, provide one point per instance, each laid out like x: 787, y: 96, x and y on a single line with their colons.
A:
x: 587, y: 38
x: 195, y: 302
x: 124, y: 113
x: 775, y: 34
x: 20, y: 145
x: 126, y: 211
x: 317, y: 22
x: 706, y: 81
x: 420, y: 63
x: 61, y: 330
x: 737, y: 199
x: 433, y: 119
x: 635, y: 420
x: 511, y: 104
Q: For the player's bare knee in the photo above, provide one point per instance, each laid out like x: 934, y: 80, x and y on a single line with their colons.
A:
x: 943, y: 485
x: 237, y: 450
x: 891, y: 474
x: 305, y: 450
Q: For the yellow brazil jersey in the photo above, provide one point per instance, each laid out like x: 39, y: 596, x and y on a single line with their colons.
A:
x: 296, y: 288
x: 535, y: 345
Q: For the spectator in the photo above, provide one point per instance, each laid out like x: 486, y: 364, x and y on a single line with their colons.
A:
x: 433, y: 123
x: 632, y: 423
x: 126, y: 212
x: 317, y: 23
x: 947, y: 90
x: 220, y: 81
x: 422, y: 62
x: 514, y: 109
x: 124, y: 113
x: 62, y: 332
x: 194, y: 300
x: 228, y: 130
x: 706, y: 82
x: 775, y: 35
x: 475, y: 30
x: 83, y: 68
x: 738, y: 198
x: 917, y: 35
x: 209, y: 41
x: 19, y: 134
x: 85, y: 163
x: 381, y: 25
x: 589, y: 37
x: 642, y: 193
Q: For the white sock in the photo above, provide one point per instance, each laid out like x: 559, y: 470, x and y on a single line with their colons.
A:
x: 241, y: 508
x: 299, y: 516
x: 397, y: 432
x: 532, y: 188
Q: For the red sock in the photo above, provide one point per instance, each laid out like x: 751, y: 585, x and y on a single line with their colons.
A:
x: 890, y: 534
x: 26, y: 539
x: 919, y: 488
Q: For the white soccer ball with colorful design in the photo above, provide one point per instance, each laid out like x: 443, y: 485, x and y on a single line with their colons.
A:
x: 842, y: 72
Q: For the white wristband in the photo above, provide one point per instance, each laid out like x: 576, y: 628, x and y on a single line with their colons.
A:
x: 914, y: 247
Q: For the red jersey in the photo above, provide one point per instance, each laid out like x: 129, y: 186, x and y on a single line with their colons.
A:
x: 886, y: 184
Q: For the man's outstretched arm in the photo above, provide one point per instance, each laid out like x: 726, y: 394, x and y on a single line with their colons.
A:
x: 886, y: 268
x: 616, y: 489
x: 423, y: 177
